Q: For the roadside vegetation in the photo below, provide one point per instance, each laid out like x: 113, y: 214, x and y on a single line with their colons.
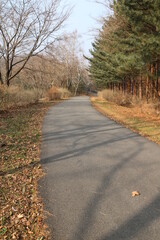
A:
x: 21, y: 116
x: 125, y: 65
x: 39, y: 67
x: 126, y: 53
x: 134, y: 114
x: 21, y: 212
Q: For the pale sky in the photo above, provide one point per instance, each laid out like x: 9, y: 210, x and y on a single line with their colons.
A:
x: 83, y: 19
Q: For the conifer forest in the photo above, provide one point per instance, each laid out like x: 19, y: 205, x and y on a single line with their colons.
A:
x: 126, y: 53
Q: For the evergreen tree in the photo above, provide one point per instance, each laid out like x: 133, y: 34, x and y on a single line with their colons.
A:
x: 127, y: 49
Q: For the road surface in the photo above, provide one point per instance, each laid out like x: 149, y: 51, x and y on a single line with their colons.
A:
x: 92, y: 165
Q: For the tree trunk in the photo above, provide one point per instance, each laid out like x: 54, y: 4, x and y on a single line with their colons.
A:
x: 7, y: 66
x: 136, y: 87
x: 147, y: 88
x: 76, y: 89
x: 153, y: 81
x: 140, y: 88
x: 132, y: 86
x: 157, y: 79
x: 119, y: 86
x: 124, y: 86
x: 113, y: 87
x: 1, y: 80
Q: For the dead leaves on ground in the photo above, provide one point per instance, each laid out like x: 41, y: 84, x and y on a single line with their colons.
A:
x: 21, y: 215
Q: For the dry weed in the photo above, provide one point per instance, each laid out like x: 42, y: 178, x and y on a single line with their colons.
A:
x: 16, y: 96
x: 116, y: 97
x: 55, y: 93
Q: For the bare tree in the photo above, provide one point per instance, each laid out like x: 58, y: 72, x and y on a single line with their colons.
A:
x: 27, y: 27
x: 106, y: 3
x: 71, y: 63
x: 62, y: 65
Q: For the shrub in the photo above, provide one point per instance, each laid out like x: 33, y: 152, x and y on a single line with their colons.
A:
x: 54, y: 94
x: 117, y: 97
x: 155, y: 107
x: 65, y: 93
x: 16, y: 96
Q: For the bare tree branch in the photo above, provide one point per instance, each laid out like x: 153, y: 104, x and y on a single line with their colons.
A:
x: 27, y: 27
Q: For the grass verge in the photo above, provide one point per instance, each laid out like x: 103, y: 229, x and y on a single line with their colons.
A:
x: 138, y: 119
x: 21, y: 211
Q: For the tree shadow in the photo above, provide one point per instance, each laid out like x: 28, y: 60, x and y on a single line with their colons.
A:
x: 134, y: 225
x: 19, y: 169
x: 80, y: 151
x: 75, y: 133
x: 87, y: 219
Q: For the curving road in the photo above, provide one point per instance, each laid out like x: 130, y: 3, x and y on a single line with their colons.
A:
x: 92, y: 165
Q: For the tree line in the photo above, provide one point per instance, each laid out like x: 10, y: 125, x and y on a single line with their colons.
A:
x: 34, y: 51
x: 126, y: 53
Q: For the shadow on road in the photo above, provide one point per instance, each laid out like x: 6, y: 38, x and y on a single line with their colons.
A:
x: 80, y: 151
x: 133, y: 226
x: 89, y: 212
x: 112, y: 136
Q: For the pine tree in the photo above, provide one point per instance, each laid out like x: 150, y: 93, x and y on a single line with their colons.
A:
x: 127, y: 49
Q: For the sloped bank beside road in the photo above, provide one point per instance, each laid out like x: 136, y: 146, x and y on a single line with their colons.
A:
x: 139, y: 119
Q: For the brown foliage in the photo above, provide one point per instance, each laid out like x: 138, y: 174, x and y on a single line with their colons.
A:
x: 21, y: 211
x: 117, y: 97
x: 58, y: 93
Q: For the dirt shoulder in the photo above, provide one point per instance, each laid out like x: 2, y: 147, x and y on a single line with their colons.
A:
x: 21, y: 211
x: 138, y: 119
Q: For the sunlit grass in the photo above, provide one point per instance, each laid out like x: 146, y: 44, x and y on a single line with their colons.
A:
x: 148, y: 126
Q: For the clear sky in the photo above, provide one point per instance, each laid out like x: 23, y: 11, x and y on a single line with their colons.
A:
x: 83, y: 19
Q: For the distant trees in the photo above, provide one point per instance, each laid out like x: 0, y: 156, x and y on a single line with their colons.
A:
x: 27, y: 27
x: 30, y: 28
x: 70, y: 68
x: 126, y: 54
x: 61, y: 65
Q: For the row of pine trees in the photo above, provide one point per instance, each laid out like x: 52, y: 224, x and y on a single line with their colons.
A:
x: 126, y: 54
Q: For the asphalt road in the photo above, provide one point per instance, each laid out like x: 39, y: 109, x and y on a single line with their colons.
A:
x: 92, y: 165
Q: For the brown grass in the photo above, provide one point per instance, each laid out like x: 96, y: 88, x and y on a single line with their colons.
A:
x: 17, y: 96
x: 55, y: 93
x: 64, y: 93
x: 141, y: 118
x: 128, y: 100
x: 118, y: 97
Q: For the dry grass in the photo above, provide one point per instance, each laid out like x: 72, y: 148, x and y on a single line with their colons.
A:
x: 64, y: 93
x: 118, y: 97
x: 55, y: 93
x: 141, y: 118
x: 16, y: 96
x: 128, y: 100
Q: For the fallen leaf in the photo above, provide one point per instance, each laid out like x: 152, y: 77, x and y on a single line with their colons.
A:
x: 20, y: 216
x: 14, y: 210
x: 135, y: 193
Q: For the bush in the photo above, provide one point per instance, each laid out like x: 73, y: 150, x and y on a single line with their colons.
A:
x: 16, y: 96
x: 54, y: 94
x: 117, y: 97
x: 58, y: 93
x: 155, y: 107
x: 64, y: 93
